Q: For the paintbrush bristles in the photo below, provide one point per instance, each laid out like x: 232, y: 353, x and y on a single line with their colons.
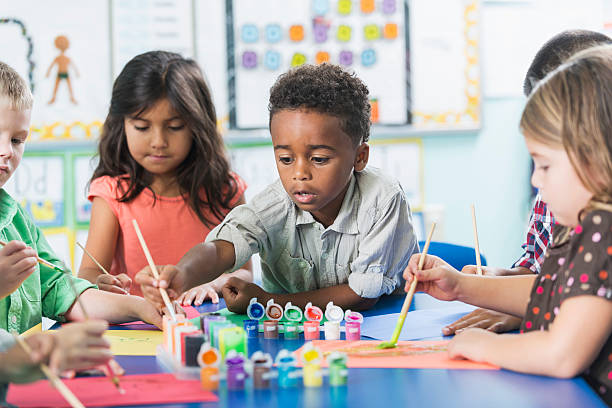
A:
x: 92, y: 258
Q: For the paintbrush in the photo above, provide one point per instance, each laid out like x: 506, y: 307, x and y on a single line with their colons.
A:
x: 42, y: 261
x: 402, y: 317
x: 476, y: 248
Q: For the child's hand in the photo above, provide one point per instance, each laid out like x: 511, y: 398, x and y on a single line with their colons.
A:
x: 17, y: 263
x: 238, y: 293
x: 484, y: 319
x: 486, y: 270
x: 170, y: 278
x: 437, y: 278
x: 80, y: 346
x: 198, y: 295
x: 19, y: 367
x: 470, y: 344
x: 120, y: 284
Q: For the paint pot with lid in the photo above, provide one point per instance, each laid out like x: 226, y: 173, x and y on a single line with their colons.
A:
x: 314, y: 315
x: 293, y: 315
x: 334, y: 316
x: 352, y: 323
x: 262, y: 363
x: 209, y: 359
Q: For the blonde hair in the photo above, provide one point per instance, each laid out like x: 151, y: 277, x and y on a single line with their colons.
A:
x: 14, y: 91
x: 572, y: 108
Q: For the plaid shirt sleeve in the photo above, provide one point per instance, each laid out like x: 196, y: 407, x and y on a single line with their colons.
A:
x: 539, y: 235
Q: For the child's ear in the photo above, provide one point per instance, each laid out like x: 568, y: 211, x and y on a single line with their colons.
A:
x: 361, y: 157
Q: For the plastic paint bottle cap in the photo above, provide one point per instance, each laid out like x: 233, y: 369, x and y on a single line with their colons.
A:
x: 313, y: 313
x: 293, y: 313
x: 285, y: 358
x: 261, y: 359
x: 255, y: 310
x: 311, y: 354
x: 208, y: 356
x: 333, y: 313
x: 274, y: 311
x: 353, y: 317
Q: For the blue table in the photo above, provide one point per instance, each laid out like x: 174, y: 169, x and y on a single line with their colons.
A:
x: 397, y: 387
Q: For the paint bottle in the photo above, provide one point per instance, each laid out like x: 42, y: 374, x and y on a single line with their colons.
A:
x: 293, y: 315
x: 206, y: 320
x: 236, y: 374
x: 232, y: 338
x: 262, y: 363
x: 209, y: 359
x: 311, y: 358
x: 352, y: 323
x: 338, y: 373
x: 334, y: 316
x: 256, y: 312
x: 287, y: 371
x: 274, y: 312
x: 314, y: 315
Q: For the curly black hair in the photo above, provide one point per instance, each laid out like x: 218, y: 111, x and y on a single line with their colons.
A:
x: 557, y: 50
x: 325, y: 88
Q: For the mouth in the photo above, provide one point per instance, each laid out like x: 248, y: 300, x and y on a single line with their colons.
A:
x: 4, y: 169
x: 304, y: 197
x: 157, y: 157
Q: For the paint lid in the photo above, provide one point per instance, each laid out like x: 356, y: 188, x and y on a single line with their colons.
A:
x: 353, y: 317
x: 274, y: 311
x: 293, y: 313
x: 233, y: 358
x: 333, y: 313
x: 313, y: 313
x: 208, y: 356
x: 337, y: 358
x: 261, y: 359
x: 285, y: 358
x: 311, y: 354
x: 255, y: 310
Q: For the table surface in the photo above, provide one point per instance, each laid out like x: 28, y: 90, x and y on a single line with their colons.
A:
x: 396, y: 387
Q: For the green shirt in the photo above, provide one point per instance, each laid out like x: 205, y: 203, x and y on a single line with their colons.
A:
x: 46, y: 292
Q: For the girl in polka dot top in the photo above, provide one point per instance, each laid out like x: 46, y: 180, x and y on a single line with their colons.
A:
x: 567, y: 308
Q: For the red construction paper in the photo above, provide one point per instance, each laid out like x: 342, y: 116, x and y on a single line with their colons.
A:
x: 99, y: 391
x: 425, y: 355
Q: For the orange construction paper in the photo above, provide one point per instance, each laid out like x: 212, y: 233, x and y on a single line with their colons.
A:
x: 407, y: 354
x: 99, y: 391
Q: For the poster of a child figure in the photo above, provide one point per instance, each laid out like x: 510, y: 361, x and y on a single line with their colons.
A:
x: 63, y: 64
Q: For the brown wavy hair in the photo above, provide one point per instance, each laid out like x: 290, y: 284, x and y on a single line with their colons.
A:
x: 572, y: 108
x: 144, y: 80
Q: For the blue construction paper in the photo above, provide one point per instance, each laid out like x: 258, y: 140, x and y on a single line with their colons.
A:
x: 419, y: 324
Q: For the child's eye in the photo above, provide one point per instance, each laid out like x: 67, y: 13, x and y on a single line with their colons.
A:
x: 17, y: 141
x: 320, y: 160
x: 176, y: 128
x: 542, y: 168
x: 141, y: 128
x: 285, y: 160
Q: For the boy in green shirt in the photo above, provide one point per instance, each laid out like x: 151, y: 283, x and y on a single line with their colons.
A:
x: 28, y: 290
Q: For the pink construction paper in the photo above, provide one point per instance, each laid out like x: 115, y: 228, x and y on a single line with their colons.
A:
x: 99, y: 391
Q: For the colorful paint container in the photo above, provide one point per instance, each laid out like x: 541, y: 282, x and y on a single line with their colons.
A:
x: 236, y: 375
x: 270, y: 329
x: 293, y: 313
x: 291, y: 330
x: 255, y: 310
x: 311, y: 358
x: 206, y: 320
x: 232, y: 338
x: 352, y: 323
x: 214, y: 328
x: 287, y: 371
x: 262, y: 363
x: 251, y: 327
x: 209, y: 358
x: 338, y: 373
x: 274, y: 311
x: 313, y: 316
x: 334, y: 316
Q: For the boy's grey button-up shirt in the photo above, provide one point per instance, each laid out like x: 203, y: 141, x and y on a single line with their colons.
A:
x: 368, y: 245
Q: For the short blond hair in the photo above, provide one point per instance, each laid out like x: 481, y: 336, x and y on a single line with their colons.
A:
x: 14, y: 90
x: 571, y: 109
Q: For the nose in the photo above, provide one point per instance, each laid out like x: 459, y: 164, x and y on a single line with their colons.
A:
x: 6, y: 147
x: 535, y: 179
x: 301, y: 170
x: 158, y: 139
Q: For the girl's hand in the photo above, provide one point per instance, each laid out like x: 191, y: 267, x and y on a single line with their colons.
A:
x: 470, y: 344
x: 17, y: 263
x: 18, y: 367
x: 490, y: 320
x: 120, y: 284
x: 437, y: 278
x: 79, y: 346
x: 238, y: 293
x: 170, y: 278
x: 198, y: 295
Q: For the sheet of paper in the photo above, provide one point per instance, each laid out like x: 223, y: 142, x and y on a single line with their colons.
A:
x: 419, y: 324
x: 134, y: 342
x: 407, y: 354
x: 99, y: 391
